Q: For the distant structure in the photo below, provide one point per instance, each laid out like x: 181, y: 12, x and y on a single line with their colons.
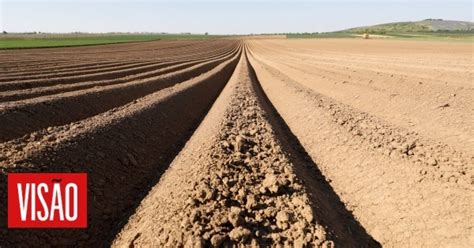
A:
x: 365, y: 36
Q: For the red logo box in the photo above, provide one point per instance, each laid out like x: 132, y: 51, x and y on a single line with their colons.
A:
x: 47, y: 200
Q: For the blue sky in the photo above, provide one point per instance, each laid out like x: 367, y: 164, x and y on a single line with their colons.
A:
x: 219, y: 17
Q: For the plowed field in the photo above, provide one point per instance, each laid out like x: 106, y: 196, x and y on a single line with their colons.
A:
x: 264, y: 142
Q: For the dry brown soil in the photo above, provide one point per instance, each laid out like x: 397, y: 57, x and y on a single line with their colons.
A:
x: 248, y: 142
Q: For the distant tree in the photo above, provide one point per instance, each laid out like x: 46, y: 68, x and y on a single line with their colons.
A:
x: 205, y: 33
x: 5, y: 32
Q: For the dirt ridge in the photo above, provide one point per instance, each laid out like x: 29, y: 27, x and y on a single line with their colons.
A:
x: 165, y: 67
x: 147, y: 134
x: 51, y: 111
x: 241, y: 190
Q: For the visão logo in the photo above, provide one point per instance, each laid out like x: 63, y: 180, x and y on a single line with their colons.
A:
x: 47, y: 200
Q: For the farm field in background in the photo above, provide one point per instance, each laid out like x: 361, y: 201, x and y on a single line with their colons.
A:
x: 428, y: 30
x: 12, y: 41
x: 415, y: 36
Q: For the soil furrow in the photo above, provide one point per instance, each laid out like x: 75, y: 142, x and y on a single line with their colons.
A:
x: 45, y: 72
x: 335, y: 50
x: 392, y: 141
x: 435, y: 113
x: 78, y: 58
x: 238, y: 188
x: 383, y: 64
x: 20, y: 119
x: 247, y: 142
x: 139, y: 138
x: 398, y: 201
x: 78, y: 77
x: 344, y: 228
x: 167, y: 67
x: 169, y: 56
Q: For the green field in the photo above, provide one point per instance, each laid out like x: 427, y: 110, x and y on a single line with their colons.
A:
x: 16, y: 41
x: 435, y: 36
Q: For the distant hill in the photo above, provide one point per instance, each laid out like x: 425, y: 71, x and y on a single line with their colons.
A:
x: 427, y: 25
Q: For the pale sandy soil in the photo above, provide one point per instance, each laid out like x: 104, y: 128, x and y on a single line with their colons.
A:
x: 426, y: 87
x: 391, y: 126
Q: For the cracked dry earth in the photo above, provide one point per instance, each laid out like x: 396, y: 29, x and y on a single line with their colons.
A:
x: 240, y: 189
